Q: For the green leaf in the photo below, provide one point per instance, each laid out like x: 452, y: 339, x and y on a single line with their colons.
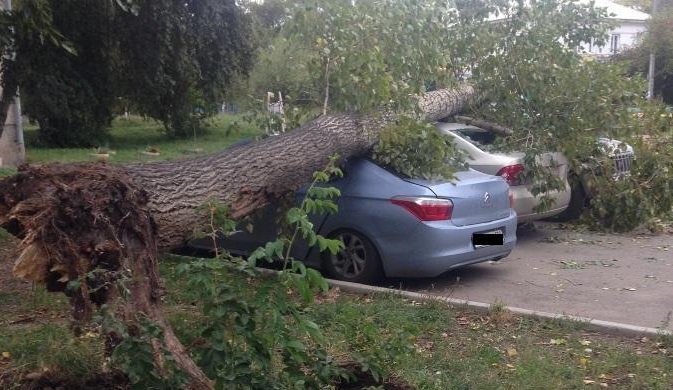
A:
x: 295, y: 215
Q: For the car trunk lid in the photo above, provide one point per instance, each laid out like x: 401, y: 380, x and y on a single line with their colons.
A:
x: 477, y: 197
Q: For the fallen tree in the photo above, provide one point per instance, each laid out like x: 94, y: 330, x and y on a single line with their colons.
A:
x: 76, y: 219
x: 490, y: 126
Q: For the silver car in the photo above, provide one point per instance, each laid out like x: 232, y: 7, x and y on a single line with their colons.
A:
x: 475, y: 142
x: 393, y: 226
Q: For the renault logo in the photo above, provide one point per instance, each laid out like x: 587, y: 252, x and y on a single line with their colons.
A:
x: 487, y: 200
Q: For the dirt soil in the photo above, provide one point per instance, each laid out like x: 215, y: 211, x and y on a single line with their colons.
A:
x: 625, y: 278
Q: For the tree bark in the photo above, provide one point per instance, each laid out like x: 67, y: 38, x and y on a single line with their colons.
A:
x: 490, y: 126
x: 74, y: 219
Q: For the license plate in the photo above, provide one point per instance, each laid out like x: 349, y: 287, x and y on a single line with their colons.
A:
x: 489, y: 238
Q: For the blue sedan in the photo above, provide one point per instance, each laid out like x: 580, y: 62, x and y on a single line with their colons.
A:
x: 393, y: 226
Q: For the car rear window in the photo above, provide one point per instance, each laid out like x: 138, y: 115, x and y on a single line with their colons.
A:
x: 457, y: 164
x: 483, y: 139
x: 477, y: 137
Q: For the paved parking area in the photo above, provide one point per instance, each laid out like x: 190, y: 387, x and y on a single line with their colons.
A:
x: 626, y: 278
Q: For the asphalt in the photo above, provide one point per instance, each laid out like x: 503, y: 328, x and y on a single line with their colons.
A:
x: 618, y: 283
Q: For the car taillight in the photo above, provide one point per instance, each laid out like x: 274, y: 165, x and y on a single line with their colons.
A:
x: 425, y: 209
x: 512, y: 174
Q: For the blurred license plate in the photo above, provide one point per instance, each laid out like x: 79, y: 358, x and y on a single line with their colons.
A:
x: 492, y: 237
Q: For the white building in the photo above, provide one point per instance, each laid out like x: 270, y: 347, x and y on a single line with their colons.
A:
x: 631, y: 24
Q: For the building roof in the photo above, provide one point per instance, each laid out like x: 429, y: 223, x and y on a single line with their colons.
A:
x: 618, y: 11
x: 615, y: 11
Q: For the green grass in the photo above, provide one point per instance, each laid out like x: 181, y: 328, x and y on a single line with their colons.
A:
x: 6, y: 171
x: 129, y: 138
x: 4, y: 236
x: 51, y: 349
x: 456, y: 349
x: 442, y: 347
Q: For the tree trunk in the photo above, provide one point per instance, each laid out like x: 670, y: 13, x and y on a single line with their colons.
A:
x: 249, y: 176
x: 12, y: 150
x: 74, y: 219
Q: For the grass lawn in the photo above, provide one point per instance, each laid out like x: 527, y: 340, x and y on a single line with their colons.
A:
x: 448, y: 348
x: 130, y: 137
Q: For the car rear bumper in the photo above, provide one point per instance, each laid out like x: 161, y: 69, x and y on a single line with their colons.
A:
x: 437, y: 247
x: 524, y: 202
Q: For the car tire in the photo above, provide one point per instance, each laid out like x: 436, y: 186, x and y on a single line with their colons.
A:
x: 578, y: 199
x: 358, y: 262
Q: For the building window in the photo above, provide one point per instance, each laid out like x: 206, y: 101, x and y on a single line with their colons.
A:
x: 614, y: 43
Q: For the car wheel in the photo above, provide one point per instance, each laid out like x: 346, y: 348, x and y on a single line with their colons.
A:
x: 578, y: 198
x: 358, y: 262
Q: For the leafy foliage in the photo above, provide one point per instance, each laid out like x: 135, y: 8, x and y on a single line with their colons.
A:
x: 259, y: 342
x: 657, y: 40
x: 557, y: 100
x: 134, y: 355
x: 335, y: 56
x: 28, y: 20
x: 319, y: 199
x: 521, y: 55
x: 179, y: 58
x: 646, y: 194
x: 353, y: 43
x: 283, y: 67
x: 68, y: 93
x: 169, y: 60
x: 418, y: 150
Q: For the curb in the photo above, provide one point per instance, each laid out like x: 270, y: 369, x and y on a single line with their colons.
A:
x: 614, y: 328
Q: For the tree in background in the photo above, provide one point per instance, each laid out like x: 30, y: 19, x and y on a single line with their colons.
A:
x: 178, y: 58
x: 173, y: 60
x: 70, y: 94
x: 658, y: 40
x: 27, y: 20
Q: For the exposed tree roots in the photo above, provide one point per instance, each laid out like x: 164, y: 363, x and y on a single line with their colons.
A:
x: 86, y: 231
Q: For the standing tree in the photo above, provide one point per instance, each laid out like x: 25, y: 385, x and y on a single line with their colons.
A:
x: 657, y: 40
x: 173, y: 60
x: 28, y: 19
x: 178, y: 57
x: 71, y: 95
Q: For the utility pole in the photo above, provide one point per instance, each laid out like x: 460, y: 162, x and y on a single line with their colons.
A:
x: 656, y: 4
x: 12, y: 148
